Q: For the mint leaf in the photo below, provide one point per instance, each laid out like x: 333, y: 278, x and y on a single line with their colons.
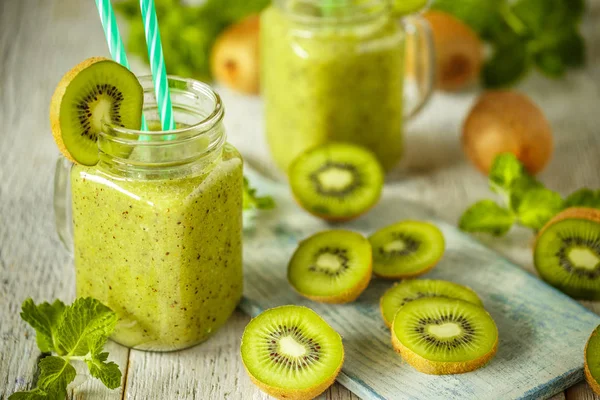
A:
x: 519, y: 188
x: 505, y: 170
x: 488, y: 217
x: 253, y: 201
x: 510, y: 60
x: 34, y: 394
x: 478, y: 14
x: 540, y: 16
x: 583, y: 198
x: 44, y: 318
x: 83, y: 323
x: 538, y: 207
x: 108, y: 373
x: 56, y: 373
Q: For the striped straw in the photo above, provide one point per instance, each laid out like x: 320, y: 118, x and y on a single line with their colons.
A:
x: 113, y: 38
x: 157, y: 65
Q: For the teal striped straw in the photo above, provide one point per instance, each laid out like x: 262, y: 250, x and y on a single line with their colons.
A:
x: 157, y: 65
x: 113, y: 38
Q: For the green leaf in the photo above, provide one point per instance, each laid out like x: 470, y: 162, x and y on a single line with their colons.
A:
x: 583, y: 198
x: 44, y: 318
x: 538, y: 207
x: 108, y: 373
x: 505, y: 170
x: 478, y: 14
x: 253, y: 201
x: 34, y: 394
x: 519, y: 188
x: 84, y: 322
x: 540, y: 16
x: 56, y: 373
x: 510, y: 61
x: 488, y: 217
x: 554, y: 52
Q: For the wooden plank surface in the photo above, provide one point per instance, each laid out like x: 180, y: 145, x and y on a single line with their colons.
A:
x: 42, y: 39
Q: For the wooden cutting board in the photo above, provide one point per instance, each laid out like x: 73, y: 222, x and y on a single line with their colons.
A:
x: 542, y: 332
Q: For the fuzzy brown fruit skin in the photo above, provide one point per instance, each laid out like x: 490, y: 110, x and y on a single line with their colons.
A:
x: 345, y: 297
x: 588, y: 374
x: 458, y: 51
x: 56, y: 101
x: 235, y: 60
x: 507, y: 122
x: 437, y: 367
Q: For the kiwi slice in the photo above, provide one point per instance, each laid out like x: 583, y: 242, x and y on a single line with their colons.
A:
x: 406, y: 249
x: 592, y: 361
x: 567, y: 253
x: 336, y: 181
x: 290, y: 352
x: 94, y: 92
x: 331, y: 266
x: 442, y: 336
x: 400, y: 294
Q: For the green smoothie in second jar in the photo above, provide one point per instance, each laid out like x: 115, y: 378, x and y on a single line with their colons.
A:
x: 165, y: 254
x: 332, y: 77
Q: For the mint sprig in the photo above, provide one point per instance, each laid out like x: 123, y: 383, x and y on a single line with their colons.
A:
x: 523, y: 34
x: 75, y: 332
x: 525, y: 201
x: 254, y: 202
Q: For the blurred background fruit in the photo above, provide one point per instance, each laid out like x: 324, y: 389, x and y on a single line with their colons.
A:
x: 507, y: 122
x: 235, y: 56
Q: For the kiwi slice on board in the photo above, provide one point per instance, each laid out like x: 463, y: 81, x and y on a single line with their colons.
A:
x: 290, y: 352
x: 405, y: 292
x: 442, y: 336
x: 94, y: 92
x: 592, y: 361
x: 331, y: 266
x: 336, y: 181
x: 567, y: 253
x: 406, y: 249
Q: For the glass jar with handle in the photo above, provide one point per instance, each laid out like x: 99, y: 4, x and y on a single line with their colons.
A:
x: 333, y: 70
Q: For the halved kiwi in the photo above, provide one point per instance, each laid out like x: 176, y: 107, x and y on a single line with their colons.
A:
x: 336, y: 181
x: 405, y: 292
x: 567, y: 253
x: 332, y: 266
x: 592, y: 361
x: 290, y: 352
x: 95, y: 91
x: 442, y: 336
x: 406, y: 249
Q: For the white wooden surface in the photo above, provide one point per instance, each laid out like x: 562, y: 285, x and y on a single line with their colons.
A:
x: 41, y: 39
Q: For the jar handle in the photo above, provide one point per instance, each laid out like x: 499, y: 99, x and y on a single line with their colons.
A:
x: 62, y: 202
x: 420, y: 60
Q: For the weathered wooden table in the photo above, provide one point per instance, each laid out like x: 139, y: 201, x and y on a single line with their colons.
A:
x: 42, y: 39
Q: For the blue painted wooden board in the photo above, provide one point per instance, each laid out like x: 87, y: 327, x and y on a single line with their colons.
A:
x: 542, y: 331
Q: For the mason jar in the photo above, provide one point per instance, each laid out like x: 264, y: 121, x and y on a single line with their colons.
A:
x: 334, y: 71
x: 156, y: 226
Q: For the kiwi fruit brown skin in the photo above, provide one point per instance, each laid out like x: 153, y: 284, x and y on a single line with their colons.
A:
x: 235, y: 60
x: 586, y: 368
x: 507, y: 122
x: 436, y: 367
x: 55, y: 103
x: 458, y: 51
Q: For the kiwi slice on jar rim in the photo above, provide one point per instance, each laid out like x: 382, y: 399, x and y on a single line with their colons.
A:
x: 290, y: 352
x: 592, y: 361
x: 331, y: 267
x: 94, y: 92
x: 336, y: 181
x: 442, y: 336
x: 413, y: 289
x: 567, y: 253
x: 406, y: 249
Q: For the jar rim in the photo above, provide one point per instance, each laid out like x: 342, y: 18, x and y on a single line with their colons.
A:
x: 196, y: 88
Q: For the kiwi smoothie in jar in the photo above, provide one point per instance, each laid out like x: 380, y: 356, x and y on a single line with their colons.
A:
x: 157, y: 221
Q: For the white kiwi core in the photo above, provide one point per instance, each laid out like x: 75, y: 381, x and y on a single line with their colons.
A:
x: 444, y: 331
x: 329, y: 262
x: 335, y: 178
x: 290, y: 347
x: 584, y: 258
x: 396, y: 245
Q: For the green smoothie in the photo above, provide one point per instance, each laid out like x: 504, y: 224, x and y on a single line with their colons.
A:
x: 164, y: 254
x: 325, y: 81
